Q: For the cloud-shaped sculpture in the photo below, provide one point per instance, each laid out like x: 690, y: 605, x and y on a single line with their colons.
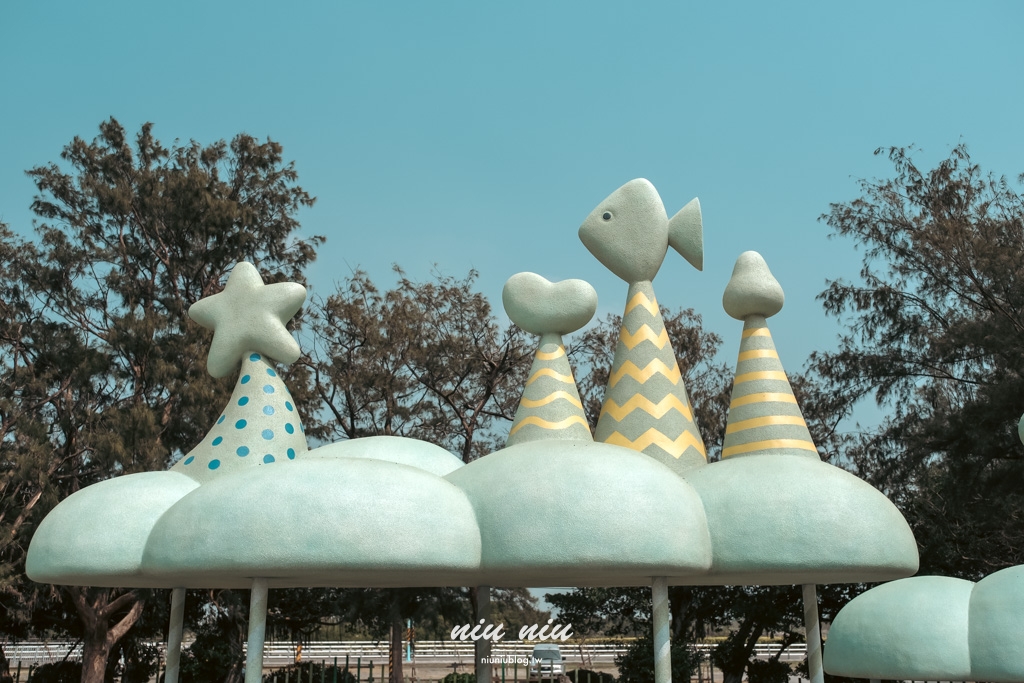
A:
x: 251, y: 505
x: 933, y: 628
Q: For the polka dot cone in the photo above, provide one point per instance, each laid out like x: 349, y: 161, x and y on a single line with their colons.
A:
x: 259, y: 426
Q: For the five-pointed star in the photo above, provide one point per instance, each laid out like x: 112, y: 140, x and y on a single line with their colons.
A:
x: 249, y: 316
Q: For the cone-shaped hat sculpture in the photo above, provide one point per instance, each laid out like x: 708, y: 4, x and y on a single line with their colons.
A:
x: 763, y: 414
x: 646, y: 407
x: 260, y: 425
x: 551, y: 406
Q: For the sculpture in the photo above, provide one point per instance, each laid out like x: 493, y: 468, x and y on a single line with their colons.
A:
x: 232, y: 512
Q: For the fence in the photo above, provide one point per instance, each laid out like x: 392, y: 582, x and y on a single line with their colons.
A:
x: 426, y: 651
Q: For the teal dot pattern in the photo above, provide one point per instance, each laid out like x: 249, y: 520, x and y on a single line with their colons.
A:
x: 259, y: 426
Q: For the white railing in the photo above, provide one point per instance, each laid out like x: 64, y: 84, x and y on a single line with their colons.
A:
x: 279, y: 653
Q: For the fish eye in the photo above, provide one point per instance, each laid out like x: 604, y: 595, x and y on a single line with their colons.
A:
x: 607, y: 215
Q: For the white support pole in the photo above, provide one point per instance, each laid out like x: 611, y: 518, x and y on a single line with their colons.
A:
x: 662, y: 644
x: 257, y: 631
x: 813, y: 631
x: 483, y: 646
x: 174, y: 632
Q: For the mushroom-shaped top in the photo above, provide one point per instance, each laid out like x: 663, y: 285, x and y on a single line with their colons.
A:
x: 752, y: 289
x: 540, y: 306
x: 249, y: 316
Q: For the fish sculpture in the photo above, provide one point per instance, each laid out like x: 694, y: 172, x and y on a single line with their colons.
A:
x: 646, y: 406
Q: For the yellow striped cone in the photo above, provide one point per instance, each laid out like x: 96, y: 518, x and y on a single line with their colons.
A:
x: 551, y: 406
x: 763, y: 415
x: 645, y: 406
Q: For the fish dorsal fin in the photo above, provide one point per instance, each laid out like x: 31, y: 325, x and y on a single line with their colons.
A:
x: 686, y: 234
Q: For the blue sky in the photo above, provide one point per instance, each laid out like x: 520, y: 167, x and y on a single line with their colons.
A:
x: 480, y: 134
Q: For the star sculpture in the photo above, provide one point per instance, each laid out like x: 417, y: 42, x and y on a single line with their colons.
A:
x: 249, y: 316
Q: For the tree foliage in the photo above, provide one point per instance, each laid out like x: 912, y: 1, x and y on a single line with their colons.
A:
x: 936, y: 337
x: 101, y: 373
x: 425, y: 360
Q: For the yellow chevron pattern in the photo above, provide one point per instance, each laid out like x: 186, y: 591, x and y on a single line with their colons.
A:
x: 551, y: 355
x: 640, y: 299
x: 548, y: 372
x: 766, y: 421
x: 645, y: 333
x: 639, y: 402
x: 546, y: 424
x: 655, y: 367
x: 652, y: 437
x: 768, y: 445
x: 551, y: 398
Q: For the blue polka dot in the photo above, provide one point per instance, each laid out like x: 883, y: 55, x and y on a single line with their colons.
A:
x: 268, y: 458
x: 268, y: 410
x: 217, y: 441
x: 288, y: 405
x: 270, y: 371
x: 242, y: 401
x: 240, y: 424
x: 221, y: 419
x: 245, y: 379
x: 189, y: 459
x: 254, y: 356
x: 291, y: 453
x: 242, y: 451
x: 268, y: 434
x: 214, y: 464
x: 267, y: 389
x: 289, y: 428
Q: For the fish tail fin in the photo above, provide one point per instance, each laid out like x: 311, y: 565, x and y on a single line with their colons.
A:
x: 686, y: 234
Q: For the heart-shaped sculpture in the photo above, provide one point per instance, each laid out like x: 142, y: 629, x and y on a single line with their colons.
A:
x: 540, y: 306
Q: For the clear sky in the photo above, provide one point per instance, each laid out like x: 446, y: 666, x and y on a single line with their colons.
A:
x: 481, y: 134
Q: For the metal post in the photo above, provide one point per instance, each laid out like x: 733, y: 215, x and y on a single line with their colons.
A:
x: 483, y: 646
x: 813, y: 631
x: 257, y: 631
x: 174, y: 633
x: 334, y: 676
x: 323, y: 671
x: 662, y: 647
x: 359, y: 668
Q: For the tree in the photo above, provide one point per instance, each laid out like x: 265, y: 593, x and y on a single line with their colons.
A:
x: 937, y: 339
x: 422, y: 360
x: 102, y: 371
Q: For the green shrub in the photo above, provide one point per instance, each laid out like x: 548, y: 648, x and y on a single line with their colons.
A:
x: 292, y: 674
x: 459, y: 678
x: 636, y: 665
x: 58, y: 672
x: 595, y: 676
x: 768, y: 671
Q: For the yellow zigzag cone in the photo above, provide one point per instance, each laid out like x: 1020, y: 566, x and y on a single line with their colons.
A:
x: 551, y: 355
x: 640, y: 299
x: 755, y: 422
x: 547, y: 424
x: 675, y: 448
x: 638, y: 402
x: 645, y: 333
x: 769, y: 444
x: 548, y: 372
x: 762, y: 398
x: 655, y: 367
x: 550, y: 398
